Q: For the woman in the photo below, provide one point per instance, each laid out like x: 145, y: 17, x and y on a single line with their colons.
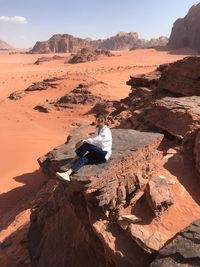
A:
x: 96, y: 149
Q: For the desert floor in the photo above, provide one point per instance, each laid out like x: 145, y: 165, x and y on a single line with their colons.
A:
x: 26, y: 134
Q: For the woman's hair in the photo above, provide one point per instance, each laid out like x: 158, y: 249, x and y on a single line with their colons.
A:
x: 102, y: 115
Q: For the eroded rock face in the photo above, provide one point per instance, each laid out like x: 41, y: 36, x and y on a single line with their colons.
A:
x: 183, y: 250
x: 75, y: 222
x: 60, y: 44
x: 149, y: 80
x: 186, y: 31
x: 182, y: 78
x: 178, y: 116
x: 121, y: 41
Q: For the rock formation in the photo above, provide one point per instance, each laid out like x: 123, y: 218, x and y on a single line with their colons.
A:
x: 166, y: 100
x: 183, y: 250
x: 43, y: 85
x: 86, y: 55
x: 79, y: 95
x: 5, y: 46
x: 122, y: 41
x: 79, y: 218
x: 182, y: 78
x: 60, y: 44
x: 36, y: 86
x: 186, y: 31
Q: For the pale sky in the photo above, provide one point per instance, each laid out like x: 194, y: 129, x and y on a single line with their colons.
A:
x: 23, y: 22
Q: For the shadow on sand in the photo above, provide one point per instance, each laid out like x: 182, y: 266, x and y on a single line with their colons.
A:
x: 18, y: 199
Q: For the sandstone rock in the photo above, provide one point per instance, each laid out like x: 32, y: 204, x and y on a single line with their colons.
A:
x: 104, y: 106
x: 178, y: 116
x: 60, y: 44
x: 182, y: 78
x: 197, y: 151
x: 88, y: 55
x: 149, y: 240
x: 126, y: 142
x: 182, y: 250
x: 122, y: 41
x: 16, y: 95
x: 45, y: 84
x: 69, y: 221
x: 42, y: 108
x: 80, y: 95
x: 149, y: 80
x: 158, y: 195
x: 185, y: 32
x: 83, y: 56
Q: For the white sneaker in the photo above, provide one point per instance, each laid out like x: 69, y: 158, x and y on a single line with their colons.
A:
x: 63, y: 176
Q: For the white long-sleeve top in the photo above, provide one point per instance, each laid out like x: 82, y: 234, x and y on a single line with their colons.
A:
x: 103, y: 139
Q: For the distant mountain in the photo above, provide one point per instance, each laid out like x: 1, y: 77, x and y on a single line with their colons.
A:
x: 121, y: 41
x: 5, y: 46
x: 186, y: 31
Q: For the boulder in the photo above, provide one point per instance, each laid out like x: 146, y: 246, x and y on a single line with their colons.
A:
x: 183, y: 250
x: 42, y: 108
x: 158, y: 195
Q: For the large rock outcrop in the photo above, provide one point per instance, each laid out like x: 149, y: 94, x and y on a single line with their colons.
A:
x: 183, y: 250
x: 121, y: 41
x: 186, y: 31
x: 166, y: 100
x: 86, y: 55
x: 182, y: 78
x: 76, y: 222
x: 59, y: 43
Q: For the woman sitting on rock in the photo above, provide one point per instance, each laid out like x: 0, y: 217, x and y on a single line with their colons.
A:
x: 95, y: 149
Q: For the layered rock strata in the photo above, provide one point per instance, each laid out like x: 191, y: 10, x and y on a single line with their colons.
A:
x: 75, y: 222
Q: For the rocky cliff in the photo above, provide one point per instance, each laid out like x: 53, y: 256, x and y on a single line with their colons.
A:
x: 122, y: 41
x: 186, y: 31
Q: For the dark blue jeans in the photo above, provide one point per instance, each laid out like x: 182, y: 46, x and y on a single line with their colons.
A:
x: 89, y: 154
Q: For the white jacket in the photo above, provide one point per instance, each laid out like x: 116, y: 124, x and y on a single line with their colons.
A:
x: 103, y: 139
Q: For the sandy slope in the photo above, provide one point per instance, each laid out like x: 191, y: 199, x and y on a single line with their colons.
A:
x: 26, y: 134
